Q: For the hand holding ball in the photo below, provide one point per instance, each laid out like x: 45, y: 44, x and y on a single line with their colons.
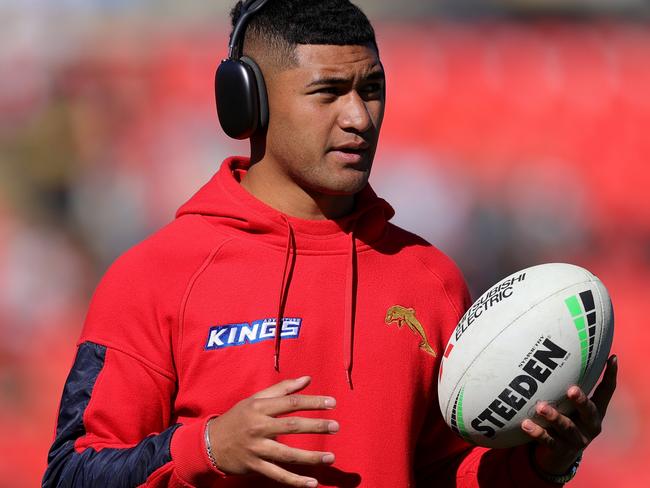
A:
x: 527, y: 339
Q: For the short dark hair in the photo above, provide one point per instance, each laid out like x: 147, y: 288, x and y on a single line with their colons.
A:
x: 281, y: 25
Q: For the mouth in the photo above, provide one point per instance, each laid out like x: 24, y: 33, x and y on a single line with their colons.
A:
x: 352, y: 152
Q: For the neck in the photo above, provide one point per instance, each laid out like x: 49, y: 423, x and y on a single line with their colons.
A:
x: 266, y: 182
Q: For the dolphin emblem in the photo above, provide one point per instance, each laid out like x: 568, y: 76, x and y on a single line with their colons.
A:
x: 402, y: 315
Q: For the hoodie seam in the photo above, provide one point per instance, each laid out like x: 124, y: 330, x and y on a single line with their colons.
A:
x: 442, y: 284
x: 186, y: 296
x: 149, y: 365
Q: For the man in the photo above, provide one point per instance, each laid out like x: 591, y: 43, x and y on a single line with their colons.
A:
x: 182, y: 377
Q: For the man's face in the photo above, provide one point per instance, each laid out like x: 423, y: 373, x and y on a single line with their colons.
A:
x: 325, y: 117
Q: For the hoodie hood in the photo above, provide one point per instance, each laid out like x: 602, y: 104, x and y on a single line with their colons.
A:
x: 239, y: 213
x: 229, y: 206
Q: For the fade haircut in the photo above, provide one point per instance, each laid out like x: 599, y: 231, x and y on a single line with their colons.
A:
x: 274, y: 32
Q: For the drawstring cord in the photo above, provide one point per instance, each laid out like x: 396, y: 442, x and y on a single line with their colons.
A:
x: 350, y: 305
x: 350, y: 301
x: 283, y: 288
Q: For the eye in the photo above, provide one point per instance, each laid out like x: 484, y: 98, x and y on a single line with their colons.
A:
x: 371, y: 90
x: 330, y: 90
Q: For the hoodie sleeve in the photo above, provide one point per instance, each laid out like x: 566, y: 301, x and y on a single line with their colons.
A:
x: 116, y: 425
x: 466, y: 466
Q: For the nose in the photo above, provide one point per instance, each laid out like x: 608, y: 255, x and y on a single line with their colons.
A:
x: 354, y: 114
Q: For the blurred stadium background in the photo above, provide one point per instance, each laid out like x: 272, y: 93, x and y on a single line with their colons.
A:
x: 517, y: 132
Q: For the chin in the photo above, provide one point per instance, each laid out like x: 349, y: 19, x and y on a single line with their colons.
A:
x: 337, y: 179
x: 346, y: 186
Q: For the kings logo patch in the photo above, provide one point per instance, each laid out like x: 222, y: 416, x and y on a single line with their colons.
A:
x: 221, y: 336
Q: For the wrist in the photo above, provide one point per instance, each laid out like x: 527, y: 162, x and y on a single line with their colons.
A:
x: 550, y: 462
x: 557, y: 471
x: 208, y: 446
x: 191, y: 463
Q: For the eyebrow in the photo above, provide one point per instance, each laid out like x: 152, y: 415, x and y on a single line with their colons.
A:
x: 334, y: 80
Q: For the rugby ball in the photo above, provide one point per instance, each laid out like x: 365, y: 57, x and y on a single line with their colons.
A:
x: 528, y: 338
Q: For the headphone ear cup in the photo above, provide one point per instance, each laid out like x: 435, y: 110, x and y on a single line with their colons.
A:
x: 237, y: 97
x: 262, y: 97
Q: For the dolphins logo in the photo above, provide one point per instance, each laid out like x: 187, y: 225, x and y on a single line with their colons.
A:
x: 403, y: 315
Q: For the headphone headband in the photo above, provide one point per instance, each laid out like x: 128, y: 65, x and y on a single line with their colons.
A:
x: 248, y: 9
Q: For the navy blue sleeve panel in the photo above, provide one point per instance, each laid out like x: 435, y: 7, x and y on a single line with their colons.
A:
x: 114, y: 467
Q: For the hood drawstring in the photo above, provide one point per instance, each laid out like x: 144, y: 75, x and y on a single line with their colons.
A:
x: 350, y: 307
x: 350, y: 300
x: 286, y: 277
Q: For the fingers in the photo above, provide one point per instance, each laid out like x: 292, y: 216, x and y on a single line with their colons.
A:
x: 278, y: 399
x: 561, y: 442
x: 294, y: 403
x: 281, y: 475
x: 246, y: 432
x: 591, y: 411
x: 279, y: 453
x: 604, y: 391
x: 588, y: 414
x: 538, y: 433
x: 562, y: 428
x: 283, y: 388
x: 301, y: 425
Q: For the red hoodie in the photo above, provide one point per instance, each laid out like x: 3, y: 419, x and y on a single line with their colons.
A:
x: 182, y: 327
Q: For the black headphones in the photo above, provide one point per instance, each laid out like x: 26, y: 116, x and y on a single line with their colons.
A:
x: 239, y: 86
